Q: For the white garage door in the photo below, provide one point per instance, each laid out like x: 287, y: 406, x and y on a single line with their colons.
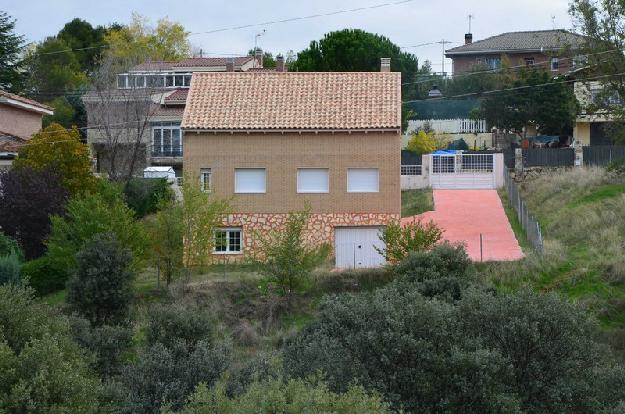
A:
x: 355, y: 247
x: 463, y: 171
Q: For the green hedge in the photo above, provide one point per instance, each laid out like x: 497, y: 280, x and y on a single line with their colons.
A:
x: 45, y: 275
x: 143, y: 194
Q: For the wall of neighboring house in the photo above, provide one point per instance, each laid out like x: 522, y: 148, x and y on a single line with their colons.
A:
x: 281, y: 156
x: 18, y: 122
x: 462, y: 64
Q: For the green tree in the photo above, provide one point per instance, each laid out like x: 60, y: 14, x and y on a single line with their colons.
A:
x: 140, y: 41
x: 268, y: 60
x: 61, y: 150
x: 101, y: 289
x: 399, y: 240
x: 86, y: 41
x: 87, y: 215
x: 166, y: 232
x: 11, y: 46
x: 64, y: 113
x: 422, y: 143
x: 41, y: 369
x: 286, y: 260
x: 533, y: 98
x: 292, y: 396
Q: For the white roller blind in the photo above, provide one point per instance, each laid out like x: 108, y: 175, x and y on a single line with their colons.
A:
x: 313, y: 180
x: 363, y: 180
x: 250, y: 180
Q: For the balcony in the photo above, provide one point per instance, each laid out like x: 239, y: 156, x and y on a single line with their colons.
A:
x: 174, y: 152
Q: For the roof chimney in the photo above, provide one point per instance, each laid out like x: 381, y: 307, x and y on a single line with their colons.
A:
x: 280, y: 64
x: 230, y: 65
x: 258, y: 55
x: 385, y: 64
x: 468, y: 38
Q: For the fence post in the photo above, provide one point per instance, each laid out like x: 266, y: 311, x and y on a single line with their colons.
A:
x: 579, y: 155
x: 518, y: 160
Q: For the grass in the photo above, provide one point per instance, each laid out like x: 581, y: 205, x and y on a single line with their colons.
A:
x: 415, y: 202
x: 513, y: 218
x: 580, y: 212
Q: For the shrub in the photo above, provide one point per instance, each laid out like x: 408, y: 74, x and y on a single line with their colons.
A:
x: 9, y: 269
x: 166, y: 232
x: 482, y: 353
x: 278, y: 396
x: 143, y: 195
x: 399, y: 240
x: 88, y: 215
x: 446, y: 271
x: 286, y: 261
x: 41, y: 369
x: 168, y: 324
x: 45, y: 274
x: 102, y: 287
x: 8, y: 245
x: 27, y: 199
x: 108, y: 343
x: 163, y: 375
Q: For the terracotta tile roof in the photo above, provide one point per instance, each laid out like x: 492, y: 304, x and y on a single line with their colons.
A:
x: 549, y: 40
x: 162, y: 66
x: 212, y: 61
x: 263, y: 70
x: 179, y: 96
x: 294, y: 101
x: 10, y: 143
x: 168, y: 111
x: 7, y: 95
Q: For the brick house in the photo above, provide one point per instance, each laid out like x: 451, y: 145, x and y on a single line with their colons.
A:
x: 274, y: 142
x: 553, y: 50
x: 146, y: 105
x: 20, y: 119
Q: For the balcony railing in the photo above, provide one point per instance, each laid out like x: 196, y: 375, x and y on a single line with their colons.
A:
x: 174, y: 152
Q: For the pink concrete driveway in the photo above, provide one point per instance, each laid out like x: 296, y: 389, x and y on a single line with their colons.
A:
x: 465, y: 214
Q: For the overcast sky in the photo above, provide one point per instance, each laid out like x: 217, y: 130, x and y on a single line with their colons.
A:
x: 412, y: 23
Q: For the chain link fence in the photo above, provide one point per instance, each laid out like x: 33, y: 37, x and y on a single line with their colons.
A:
x: 529, y: 224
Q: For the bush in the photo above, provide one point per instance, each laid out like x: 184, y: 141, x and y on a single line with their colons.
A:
x: 399, y: 240
x: 8, y: 245
x: 168, y: 324
x: 163, y: 375
x: 446, y: 271
x: 108, y: 343
x: 143, y: 195
x: 277, y: 396
x: 10, y: 269
x: 286, y: 262
x: 45, y: 274
x: 482, y: 353
x: 41, y: 369
x: 102, y: 287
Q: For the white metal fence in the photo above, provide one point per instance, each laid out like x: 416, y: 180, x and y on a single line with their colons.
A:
x: 411, y: 170
x: 450, y: 126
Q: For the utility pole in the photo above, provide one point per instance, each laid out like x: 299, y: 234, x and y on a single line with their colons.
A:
x: 471, y: 17
x: 444, y: 42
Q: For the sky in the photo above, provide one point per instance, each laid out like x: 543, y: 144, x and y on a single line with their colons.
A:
x: 413, y: 22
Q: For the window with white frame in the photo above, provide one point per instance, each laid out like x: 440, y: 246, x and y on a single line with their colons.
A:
x: 250, y: 180
x: 555, y: 64
x: 153, y: 80
x: 166, y: 139
x: 228, y: 241
x: 313, y: 180
x: 363, y: 180
x: 206, y: 183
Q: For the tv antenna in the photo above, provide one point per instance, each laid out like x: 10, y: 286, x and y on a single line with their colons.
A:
x: 471, y: 17
x: 553, y: 22
x: 444, y: 42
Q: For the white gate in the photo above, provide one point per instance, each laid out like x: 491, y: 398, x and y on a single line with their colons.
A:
x: 355, y: 247
x: 463, y: 171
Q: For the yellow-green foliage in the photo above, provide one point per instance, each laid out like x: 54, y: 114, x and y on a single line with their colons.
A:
x: 422, y: 143
x: 61, y: 150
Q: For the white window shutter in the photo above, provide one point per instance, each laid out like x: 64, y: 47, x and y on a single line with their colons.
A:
x: 250, y: 180
x: 363, y: 180
x: 313, y: 180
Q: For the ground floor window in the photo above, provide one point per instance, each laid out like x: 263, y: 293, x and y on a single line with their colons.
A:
x: 228, y: 241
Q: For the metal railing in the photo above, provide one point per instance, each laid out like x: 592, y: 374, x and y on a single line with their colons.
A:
x: 174, y: 152
x: 462, y: 163
x: 529, y: 224
x: 411, y: 170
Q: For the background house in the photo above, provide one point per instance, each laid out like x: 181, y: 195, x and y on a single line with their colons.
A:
x: 20, y: 119
x: 553, y: 50
x: 144, y: 109
x: 592, y: 127
x: 274, y: 142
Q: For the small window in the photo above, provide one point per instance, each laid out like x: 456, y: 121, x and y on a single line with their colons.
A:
x: 363, y: 180
x: 121, y: 81
x: 529, y: 61
x: 313, y: 180
x: 187, y: 80
x: 140, y: 81
x: 169, y: 81
x: 555, y: 64
x: 206, y: 183
x: 228, y: 241
x: 179, y: 80
x: 250, y: 180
